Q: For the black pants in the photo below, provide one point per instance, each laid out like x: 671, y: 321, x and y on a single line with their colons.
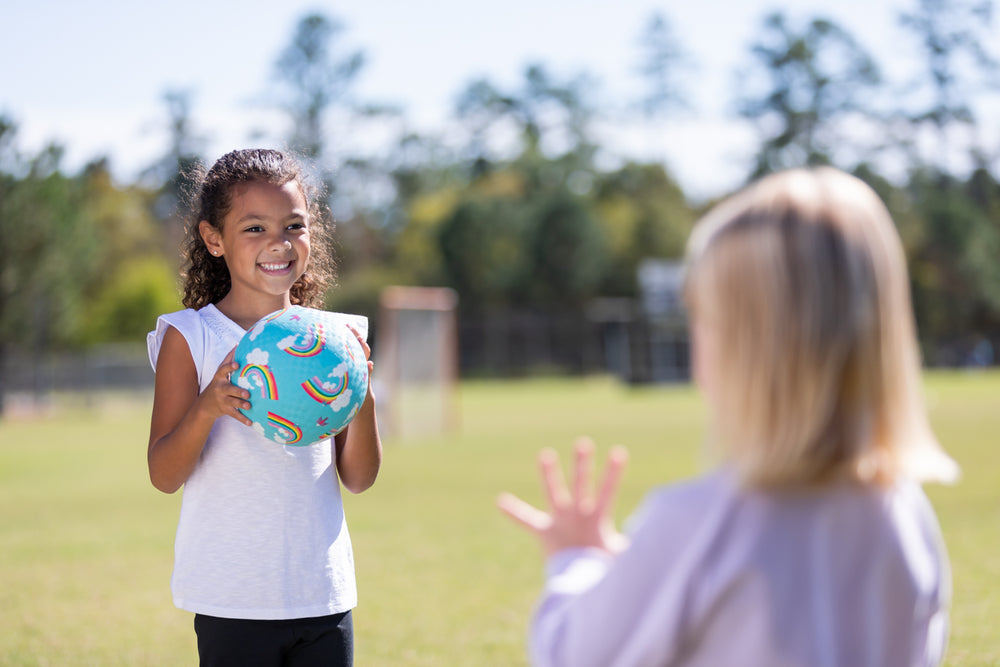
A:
x: 326, y: 641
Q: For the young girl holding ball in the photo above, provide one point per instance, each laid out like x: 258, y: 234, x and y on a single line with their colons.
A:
x: 812, y: 543
x: 262, y: 555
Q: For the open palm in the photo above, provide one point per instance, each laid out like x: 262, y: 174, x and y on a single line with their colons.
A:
x: 577, y: 517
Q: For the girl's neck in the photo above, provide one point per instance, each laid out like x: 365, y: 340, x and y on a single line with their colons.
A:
x: 246, y: 313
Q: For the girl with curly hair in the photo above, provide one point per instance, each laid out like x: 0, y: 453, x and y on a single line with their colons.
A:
x: 263, y: 557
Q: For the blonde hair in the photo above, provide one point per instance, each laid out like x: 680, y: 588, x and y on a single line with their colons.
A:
x: 802, y: 282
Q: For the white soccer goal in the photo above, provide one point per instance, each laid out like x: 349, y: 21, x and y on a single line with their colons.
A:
x: 416, y: 369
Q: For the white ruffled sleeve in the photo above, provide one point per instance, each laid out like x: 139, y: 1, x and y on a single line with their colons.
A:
x: 188, y: 323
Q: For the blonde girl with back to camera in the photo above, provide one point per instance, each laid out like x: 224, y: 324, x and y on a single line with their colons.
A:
x: 812, y: 542
x: 263, y: 557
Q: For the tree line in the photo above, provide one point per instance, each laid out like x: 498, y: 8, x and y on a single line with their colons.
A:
x: 519, y: 209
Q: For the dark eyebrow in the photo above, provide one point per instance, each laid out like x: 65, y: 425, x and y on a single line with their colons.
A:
x: 255, y: 217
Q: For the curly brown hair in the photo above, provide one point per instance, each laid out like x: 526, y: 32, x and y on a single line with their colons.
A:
x: 206, y: 278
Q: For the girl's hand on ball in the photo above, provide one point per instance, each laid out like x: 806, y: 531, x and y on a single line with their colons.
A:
x: 576, y: 517
x: 368, y: 351
x: 222, y: 397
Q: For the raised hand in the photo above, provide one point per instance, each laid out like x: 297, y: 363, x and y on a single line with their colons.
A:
x: 576, y: 517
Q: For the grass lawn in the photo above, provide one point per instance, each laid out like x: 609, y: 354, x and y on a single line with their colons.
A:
x: 86, y: 544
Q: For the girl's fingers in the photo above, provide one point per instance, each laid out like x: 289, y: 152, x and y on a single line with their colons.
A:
x: 584, y: 460
x: 575, y: 517
x: 238, y: 403
x: 617, y: 459
x: 241, y: 397
x: 527, y: 515
x: 225, y: 370
x: 234, y: 390
x: 552, y: 479
x: 227, y: 366
x: 361, y: 339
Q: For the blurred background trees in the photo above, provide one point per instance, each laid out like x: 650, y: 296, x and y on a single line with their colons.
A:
x: 802, y: 88
x: 518, y: 206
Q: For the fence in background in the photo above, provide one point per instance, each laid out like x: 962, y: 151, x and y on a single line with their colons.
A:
x: 33, y: 382
x: 613, y: 337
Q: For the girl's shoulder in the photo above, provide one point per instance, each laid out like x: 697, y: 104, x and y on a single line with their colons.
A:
x: 181, y: 319
x: 697, y: 491
x: 187, y: 322
x: 689, y: 501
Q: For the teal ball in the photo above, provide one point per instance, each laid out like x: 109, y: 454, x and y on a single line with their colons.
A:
x: 306, y: 373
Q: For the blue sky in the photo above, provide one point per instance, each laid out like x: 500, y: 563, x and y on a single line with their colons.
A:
x: 92, y: 75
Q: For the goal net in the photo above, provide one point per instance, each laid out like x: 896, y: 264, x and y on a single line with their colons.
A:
x: 416, y: 370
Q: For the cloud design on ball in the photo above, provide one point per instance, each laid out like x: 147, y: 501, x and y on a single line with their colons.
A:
x: 287, y: 342
x: 255, y: 374
x: 257, y: 356
x: 256, y: 330
x: 342, y: 401
x: 338, y: 385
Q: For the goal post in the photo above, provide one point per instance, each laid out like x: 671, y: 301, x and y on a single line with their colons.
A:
x: 416, y: 370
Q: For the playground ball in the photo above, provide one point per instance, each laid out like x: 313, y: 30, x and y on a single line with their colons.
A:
x: 306, y: 373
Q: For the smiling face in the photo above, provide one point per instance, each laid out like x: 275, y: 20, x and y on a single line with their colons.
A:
x: 264, y: 241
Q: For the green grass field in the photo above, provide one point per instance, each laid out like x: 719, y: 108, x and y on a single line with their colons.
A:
x: 86, y: 544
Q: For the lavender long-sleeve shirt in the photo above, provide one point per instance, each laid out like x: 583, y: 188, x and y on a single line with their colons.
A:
x: 717, y: 576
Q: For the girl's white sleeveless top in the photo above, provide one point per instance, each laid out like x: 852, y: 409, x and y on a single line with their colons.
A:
x: 262, y: 532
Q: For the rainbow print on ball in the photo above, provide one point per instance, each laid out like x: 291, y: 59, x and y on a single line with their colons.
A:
x: 306, y: 372
x: 311, y: 345
x: 262, y: 377
x: 326, y: 392
x: 282, y: 424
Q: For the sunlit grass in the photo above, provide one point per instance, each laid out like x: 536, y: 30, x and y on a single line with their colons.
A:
x: 86, y: 544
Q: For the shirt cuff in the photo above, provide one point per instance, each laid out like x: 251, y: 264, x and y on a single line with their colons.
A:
x: 576, y: 569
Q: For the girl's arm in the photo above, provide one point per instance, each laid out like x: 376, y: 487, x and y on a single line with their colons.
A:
x: 594, y: 599
x: 358, y: 447
x: 182, y: 417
